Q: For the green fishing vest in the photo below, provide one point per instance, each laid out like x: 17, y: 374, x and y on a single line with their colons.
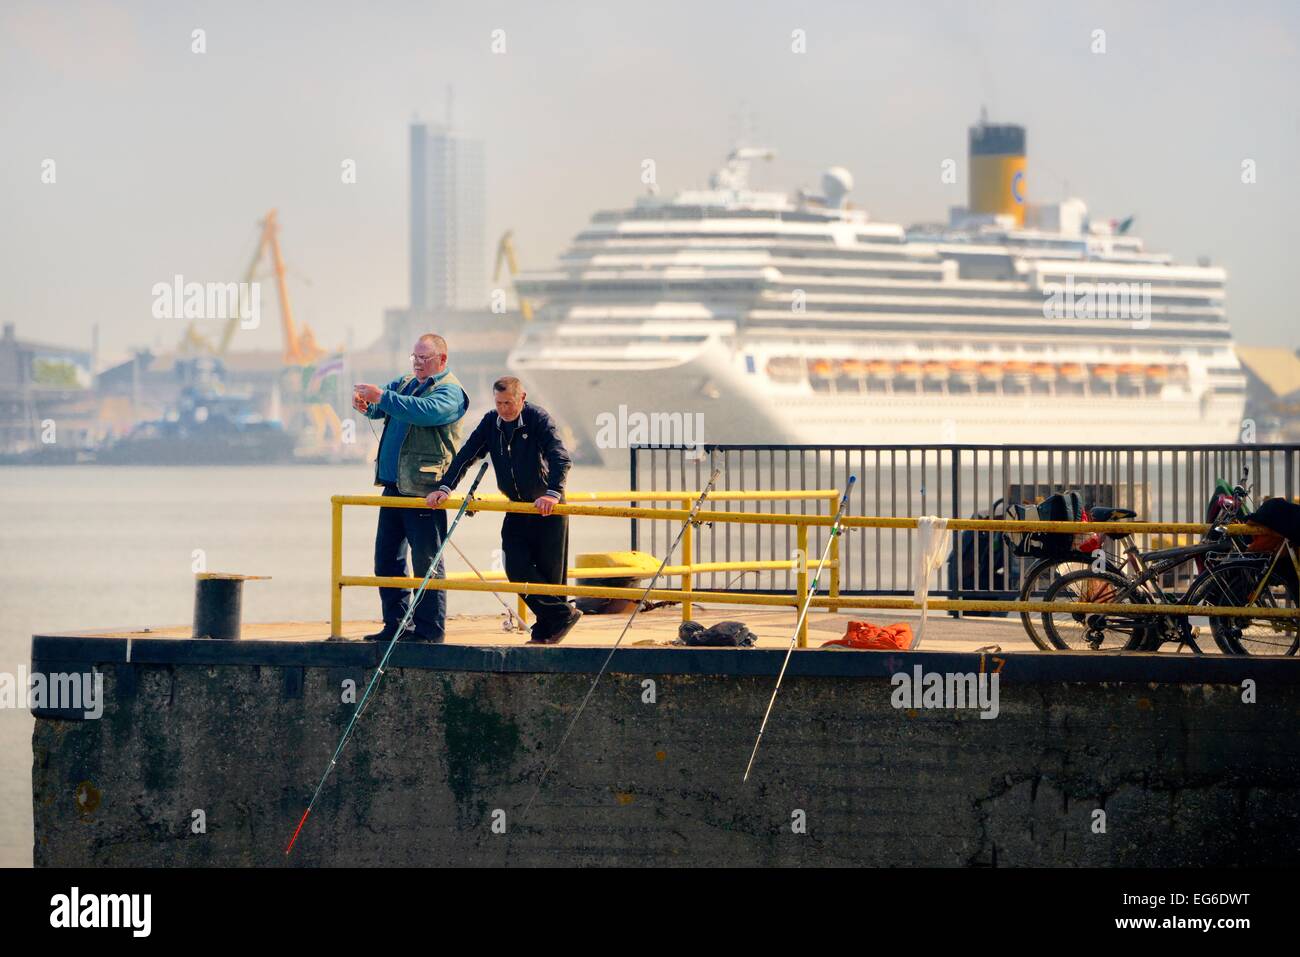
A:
x: 425, y: 446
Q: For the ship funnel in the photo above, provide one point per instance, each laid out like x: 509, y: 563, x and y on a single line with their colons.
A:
x: 997, y: 170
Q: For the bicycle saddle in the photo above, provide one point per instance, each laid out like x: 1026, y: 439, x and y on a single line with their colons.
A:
x: 1108, y: 513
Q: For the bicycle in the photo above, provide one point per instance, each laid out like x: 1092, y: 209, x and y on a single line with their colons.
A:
x: 1259, y: 578
x: 1070, y: 630
x: 1230, y: 574
x: 1046, y: 570
x: 1225, y: 507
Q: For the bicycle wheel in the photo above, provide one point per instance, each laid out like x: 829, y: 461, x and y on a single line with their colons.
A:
x: 1095, y: 631
x: 1233, y: 585
x: 1038, y: 579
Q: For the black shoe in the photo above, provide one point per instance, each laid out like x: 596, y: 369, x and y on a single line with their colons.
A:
x: 556, y: 636
x: 429, y: 639
x: 385, y: 635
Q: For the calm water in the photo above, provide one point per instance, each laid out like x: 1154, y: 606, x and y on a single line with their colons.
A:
x: 100, y: 547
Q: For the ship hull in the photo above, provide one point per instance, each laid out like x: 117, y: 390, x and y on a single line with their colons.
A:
x: 735, y: 406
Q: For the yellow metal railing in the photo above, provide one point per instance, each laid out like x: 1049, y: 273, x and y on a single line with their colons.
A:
x: 686, y: 595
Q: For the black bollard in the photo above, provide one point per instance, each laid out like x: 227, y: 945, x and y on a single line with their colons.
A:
x: 218, y: 598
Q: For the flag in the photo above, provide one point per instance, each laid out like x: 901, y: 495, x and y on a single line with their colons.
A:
x: 320, y: 382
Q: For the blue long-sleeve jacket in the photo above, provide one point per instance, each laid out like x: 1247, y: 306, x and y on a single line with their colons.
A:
x: 442, y: 405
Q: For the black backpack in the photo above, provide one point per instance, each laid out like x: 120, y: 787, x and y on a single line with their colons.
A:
x: 725, y: 634
x: 1059, y: 507
x: 982, y: 549
x: 1280, y: 516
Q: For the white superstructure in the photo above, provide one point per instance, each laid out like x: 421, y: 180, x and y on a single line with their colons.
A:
x: 797, y: 319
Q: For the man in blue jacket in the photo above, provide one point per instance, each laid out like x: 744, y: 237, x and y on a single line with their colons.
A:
x: 530, y: 463
x: 421, y: 413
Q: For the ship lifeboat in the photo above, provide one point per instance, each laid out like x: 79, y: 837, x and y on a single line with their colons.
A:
x: 1158, y: 373
x: 853, y: 368
x: 1131, y: 371
x: 935, y: 370
x: 1044, y: 371
x: 990, y: 370
x: 1102, y: 370
x: 1016, y: 369
x: 784, y: 369
x: 821, y: 368
x: 963, y: 370
x: 1072, y: 371
x: 909, y: 369
x: 880, y: 369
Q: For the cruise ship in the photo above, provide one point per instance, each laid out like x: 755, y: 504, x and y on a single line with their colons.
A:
x: 769, y: 317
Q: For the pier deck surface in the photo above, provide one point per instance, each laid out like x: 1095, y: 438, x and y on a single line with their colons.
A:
x: 773, y: 626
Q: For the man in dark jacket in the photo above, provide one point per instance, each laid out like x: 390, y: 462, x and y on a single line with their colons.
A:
x: 421, y: 413
x: 530, y: 463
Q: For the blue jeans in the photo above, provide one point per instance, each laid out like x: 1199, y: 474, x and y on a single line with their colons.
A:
x: 423, y: 529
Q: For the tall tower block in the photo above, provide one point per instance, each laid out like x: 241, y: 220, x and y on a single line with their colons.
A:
x: 997, y: 170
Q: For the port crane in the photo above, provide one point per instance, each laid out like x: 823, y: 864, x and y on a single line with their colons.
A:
x: 506, y: 255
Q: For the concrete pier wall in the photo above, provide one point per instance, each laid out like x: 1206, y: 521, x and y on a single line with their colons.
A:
x: 207, y: 751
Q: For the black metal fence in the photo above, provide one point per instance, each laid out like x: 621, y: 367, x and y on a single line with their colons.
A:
x: 1160, y: 482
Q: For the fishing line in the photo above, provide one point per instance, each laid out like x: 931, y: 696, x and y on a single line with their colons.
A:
x: 803, y: 613
x: 379, y: 672
x: 690, y: 520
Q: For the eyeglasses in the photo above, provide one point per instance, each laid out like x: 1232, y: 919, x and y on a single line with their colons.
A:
x: 429, y: 358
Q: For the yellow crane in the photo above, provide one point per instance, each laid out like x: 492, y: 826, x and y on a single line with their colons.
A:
x: 300, y: 346
x: 194, y: 341
x: 506, y: 255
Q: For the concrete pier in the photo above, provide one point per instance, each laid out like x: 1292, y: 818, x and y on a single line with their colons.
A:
x: 207, y: 751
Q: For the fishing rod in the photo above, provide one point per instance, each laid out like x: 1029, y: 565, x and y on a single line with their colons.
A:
x: 690, y: 520
x: 379, y: 673
x: 512, y: 622
x: 803, y: 613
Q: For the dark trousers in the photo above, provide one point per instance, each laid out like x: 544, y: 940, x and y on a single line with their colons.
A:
x: 423, y: 529
x: 536, y: 550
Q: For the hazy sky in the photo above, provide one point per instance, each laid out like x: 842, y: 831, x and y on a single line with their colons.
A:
x: 165, y: 158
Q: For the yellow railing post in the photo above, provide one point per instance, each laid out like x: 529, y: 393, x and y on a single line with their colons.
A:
x: 688, y: 559
x: 835, y: 558
x: 801, y: 540
x: 336, y: 568
x: 523, y: 610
